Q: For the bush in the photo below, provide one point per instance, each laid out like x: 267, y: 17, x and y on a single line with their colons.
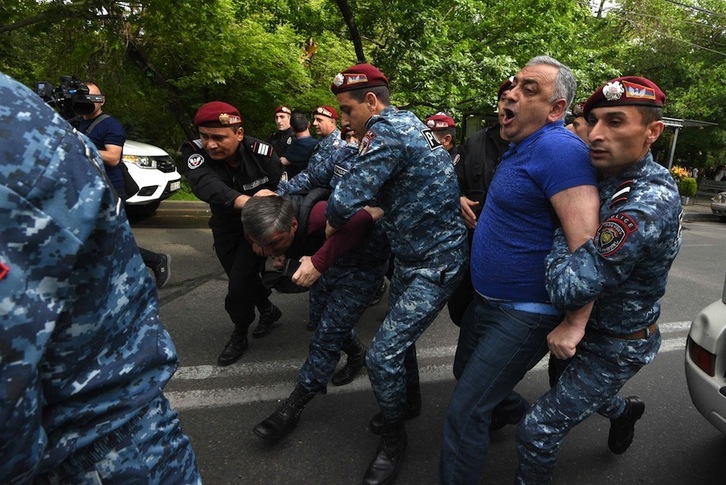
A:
x: 687, y: 187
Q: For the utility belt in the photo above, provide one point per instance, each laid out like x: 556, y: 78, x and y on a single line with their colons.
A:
x: 85, y: 459
x: 637, y: 335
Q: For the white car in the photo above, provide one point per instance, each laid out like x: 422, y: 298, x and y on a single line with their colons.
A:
x: 718, y: 205
x: 706, y: 362
x: 154, y: 172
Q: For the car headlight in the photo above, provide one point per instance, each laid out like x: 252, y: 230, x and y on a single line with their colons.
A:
x: 140, y: 161
x: 720, y: 198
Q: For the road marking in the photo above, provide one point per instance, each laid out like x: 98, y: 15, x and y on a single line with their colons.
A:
x: 283, y: 374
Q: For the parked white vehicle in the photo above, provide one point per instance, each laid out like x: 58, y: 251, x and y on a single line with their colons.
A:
x: 154, y: 172
x: 706, y: 362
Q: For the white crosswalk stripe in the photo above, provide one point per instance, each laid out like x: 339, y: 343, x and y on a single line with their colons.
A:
x: 284, y: 372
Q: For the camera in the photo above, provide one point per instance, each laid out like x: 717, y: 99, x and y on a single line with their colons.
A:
x: 70, y: 98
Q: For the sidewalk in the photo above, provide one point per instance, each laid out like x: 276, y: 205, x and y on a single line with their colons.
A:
x: 698, y: 211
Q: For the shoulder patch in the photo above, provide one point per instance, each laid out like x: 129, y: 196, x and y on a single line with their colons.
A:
x: 365, y: 143
x: 456, y: 159
x: 613, y: 232
x: 195, y: 160
x: 430, y: 138
x: 289, y: 140
x: 263, y: 149
x: 621, y: 193
x: 339, y: 171
x: 3, y: 270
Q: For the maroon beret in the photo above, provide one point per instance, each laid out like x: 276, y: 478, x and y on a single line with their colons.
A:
x: 578, y: 109
x: 345, y: 130
x: 505, y: 86
x: 217, y: 113
x: 440, y: 121
x: 360, y: 76
x: 283, y: 109
x: 626, y: 91
x: 328, y: 111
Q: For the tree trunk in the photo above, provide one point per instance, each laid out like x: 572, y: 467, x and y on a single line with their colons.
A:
x: 354, y: 34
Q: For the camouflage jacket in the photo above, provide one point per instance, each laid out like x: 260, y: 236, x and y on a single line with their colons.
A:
x: 625, y: 267
x: 402, y: 166
x: 82, y: 350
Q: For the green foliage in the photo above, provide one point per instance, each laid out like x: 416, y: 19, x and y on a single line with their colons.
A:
x: 159, y: 60
x: 687, y: 186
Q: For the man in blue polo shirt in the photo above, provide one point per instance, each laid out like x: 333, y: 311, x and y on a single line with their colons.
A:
x: 543, y: 181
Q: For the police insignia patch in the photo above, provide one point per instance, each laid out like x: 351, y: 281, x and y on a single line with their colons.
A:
x: 195, y: 161
x: 456, y: 159
x: 613, y: 232
x: 430, y: 139
x: 262, y: 149
x: 3, y: 270
x: 365, y: 143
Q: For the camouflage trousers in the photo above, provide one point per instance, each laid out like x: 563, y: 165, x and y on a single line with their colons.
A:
x: 337, y: 301
x: 152, y: 449
x: 589, y: 384
x: 417, y: 295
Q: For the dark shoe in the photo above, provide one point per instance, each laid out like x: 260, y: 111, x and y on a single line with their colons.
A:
x: 356, y: 360
x: 503, y: 414
x: 387, y: 463
x: 233, y: 350
x: 264, y: 325
x: 622, y: 428
x: 285, y: 418
x: 379, y: 293
x: 412, y: 409
x: 162, y: 271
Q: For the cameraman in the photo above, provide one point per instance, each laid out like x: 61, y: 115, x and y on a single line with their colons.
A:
x: 108, y: 135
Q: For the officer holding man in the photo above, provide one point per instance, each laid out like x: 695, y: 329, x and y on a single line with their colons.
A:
x: 226, y: 168
x: 283, y: 137
x: 402, y: 166
x: 623, y: 269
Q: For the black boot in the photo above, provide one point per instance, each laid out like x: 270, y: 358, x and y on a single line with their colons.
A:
x: 622, y: 428
x: 267, y: 318
x: 235, y: 347
x: 412, y: 409
x: 356, y: 360
x: 387, y: 463
x: 285, y: 418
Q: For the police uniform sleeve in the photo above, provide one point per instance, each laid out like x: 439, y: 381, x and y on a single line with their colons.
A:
x: 318, y: 173
x: 203, y: 179
x: 379, y: 153
x: 606, y: 261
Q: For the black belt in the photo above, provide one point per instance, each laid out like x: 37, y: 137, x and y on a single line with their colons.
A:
x: 640, y: 334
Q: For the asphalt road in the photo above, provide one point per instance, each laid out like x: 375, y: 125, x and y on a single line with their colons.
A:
x: 331, y: 445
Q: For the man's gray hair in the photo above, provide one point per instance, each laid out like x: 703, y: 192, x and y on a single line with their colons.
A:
x: 565, y: 83
x: 262, y: 217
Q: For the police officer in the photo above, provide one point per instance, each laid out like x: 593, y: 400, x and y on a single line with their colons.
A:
x: 226, y: 168
x: 337, y: 299
x: 84, y: 356
x: 578, y: 125
x: 284, y: 135
x: 443, y: 127
x: 624, y: 269
x: 403, y: 166
x: 325, y: 121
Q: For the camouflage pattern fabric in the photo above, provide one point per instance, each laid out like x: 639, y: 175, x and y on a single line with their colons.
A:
x: 625, y: 269
x: 318, y: 172
x: 402, y: 166
x: 84, y: 356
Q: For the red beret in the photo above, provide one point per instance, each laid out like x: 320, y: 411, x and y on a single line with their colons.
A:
x: 578, y: 109
x: 440, y: 121
x: 346, y: 129
x: 505, y: 86
x: 217, y: 113
x: 283, y: 109
x: 328, y: 111
x: 360, y: 76
x: 626, y: 91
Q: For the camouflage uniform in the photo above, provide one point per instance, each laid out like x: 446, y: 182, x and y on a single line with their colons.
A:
x: 625, y: 268
x: 404, y: 168
x: 84, y: 356
x: 317, y: 173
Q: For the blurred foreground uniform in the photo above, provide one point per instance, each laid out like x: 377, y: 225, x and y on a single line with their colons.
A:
x: 84, y: 356
x: 624, y: 268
